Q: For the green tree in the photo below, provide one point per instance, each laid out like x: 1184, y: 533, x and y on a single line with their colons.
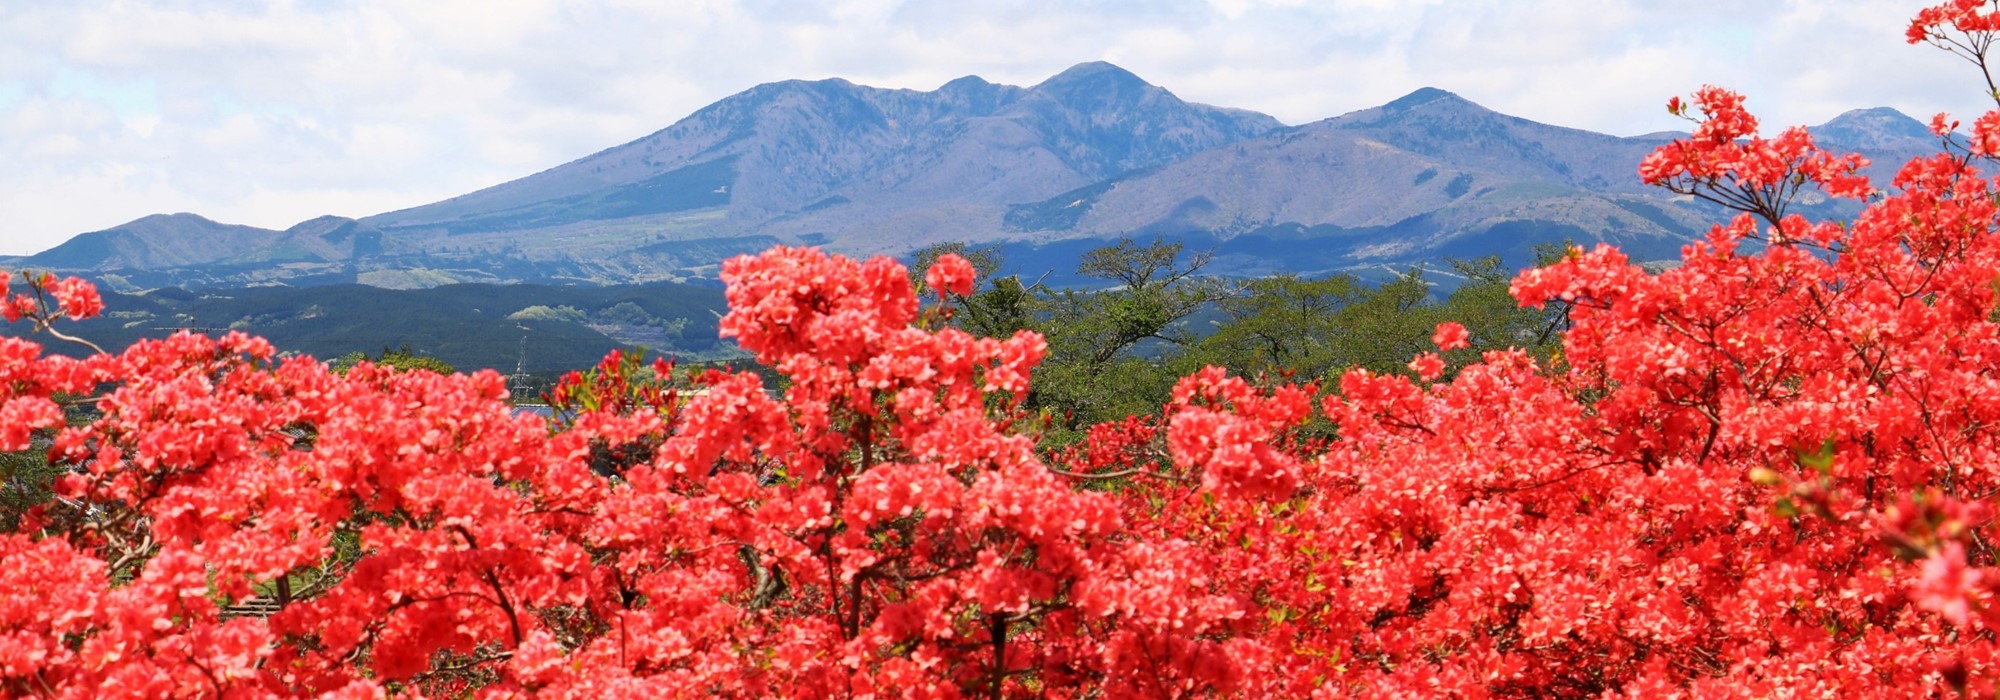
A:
x: 1108, y: 348
x: 1117, y: 350
x: 402, y: 359
x: 27, y: 479
x: 1278, y: 325
x: 1288, y: 327
x: 999, y: 305
x: 1492, y: 315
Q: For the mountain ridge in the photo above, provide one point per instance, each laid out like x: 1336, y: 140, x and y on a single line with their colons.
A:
x: 1090, y: 153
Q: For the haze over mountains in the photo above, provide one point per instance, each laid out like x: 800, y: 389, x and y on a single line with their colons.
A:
x: 1088, y: 155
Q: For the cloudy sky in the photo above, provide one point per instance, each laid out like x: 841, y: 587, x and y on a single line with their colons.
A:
x: 269, y: 113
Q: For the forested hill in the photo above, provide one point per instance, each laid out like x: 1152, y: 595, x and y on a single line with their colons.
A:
x: 470, y: 326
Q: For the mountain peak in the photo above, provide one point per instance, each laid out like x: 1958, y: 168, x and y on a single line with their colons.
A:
x: 1874, y: 114
x: 1426, y: 95
x: 158, y: 240
x: 1097, y: 86
x: 1092, y: 74
x: 157, y: 222
x: 970, y: 82
x: 322, y: 220
x: 1875, y: 128
x: 795, y: 85
x: 1101, y: 120
x: 1422, y: 110
x: 975, y: 95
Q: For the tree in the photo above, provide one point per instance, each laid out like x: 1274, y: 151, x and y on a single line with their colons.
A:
x: 1281, y: 325
x: 1286, y: 328
x: 400, y: 359
x: 998, y: 306
x: 1095, y: 371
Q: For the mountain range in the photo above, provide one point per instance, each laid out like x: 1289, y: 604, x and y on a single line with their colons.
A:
x: 1089, y: 155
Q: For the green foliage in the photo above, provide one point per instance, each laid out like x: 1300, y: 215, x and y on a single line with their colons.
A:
x: 25, y: 481
x: 559, y: 314
x: 998, y: 307
x: 1156, y: 290
x: 1106, y: 346
x: 1282, y: 324
x: 1317, y: 329
x: 402, y: 359
x: 1496, y: 321
x: 26, y: 477
x: 625, y: 312
x: 1117, y: 351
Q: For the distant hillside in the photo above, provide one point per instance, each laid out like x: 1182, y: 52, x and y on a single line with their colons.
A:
x: 1088, y: 155
x: 469, y: 325
x: 158, y: 241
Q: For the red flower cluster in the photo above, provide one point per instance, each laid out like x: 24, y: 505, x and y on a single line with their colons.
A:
x: 1763, y: 472
x: 1727, y: 162
x: 951, y: 274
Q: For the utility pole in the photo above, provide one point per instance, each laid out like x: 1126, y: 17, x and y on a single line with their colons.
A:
x: 518, y: 386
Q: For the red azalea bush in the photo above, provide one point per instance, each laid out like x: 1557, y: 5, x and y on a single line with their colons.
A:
x: 1766, y: 471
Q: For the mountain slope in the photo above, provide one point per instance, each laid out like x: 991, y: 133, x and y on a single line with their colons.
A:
x: 157, y: 241
x: 1429, y: 174
x: 1875, y: 129
x: 1455, y: 131
x: 830, y: 158
x: 1089, y: 154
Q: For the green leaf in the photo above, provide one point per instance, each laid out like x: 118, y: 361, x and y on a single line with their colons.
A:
x: 1820, y: 459
x: 1785, y: 508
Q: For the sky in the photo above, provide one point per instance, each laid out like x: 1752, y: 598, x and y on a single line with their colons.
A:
x: 271, y: 113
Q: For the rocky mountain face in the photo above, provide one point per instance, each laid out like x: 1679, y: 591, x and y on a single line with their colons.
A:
x: 829, y: 161
x: 1090, y: 154
x: 1427, y: 175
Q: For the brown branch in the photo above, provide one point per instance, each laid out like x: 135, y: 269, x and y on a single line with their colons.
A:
x: 1120, y: 474
x: 45, y: 326
x: 507, y: 606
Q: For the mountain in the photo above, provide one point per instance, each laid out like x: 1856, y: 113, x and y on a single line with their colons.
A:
x: 1427, y: 175
x: 1875, y: 129
x: 157, y: 241
x: 1090, y: 154
x: 829, y: 160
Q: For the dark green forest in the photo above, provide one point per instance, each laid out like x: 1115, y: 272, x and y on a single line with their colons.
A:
x: 467, y: 326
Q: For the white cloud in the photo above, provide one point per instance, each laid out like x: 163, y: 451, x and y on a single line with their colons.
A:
x: 270, y: 113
